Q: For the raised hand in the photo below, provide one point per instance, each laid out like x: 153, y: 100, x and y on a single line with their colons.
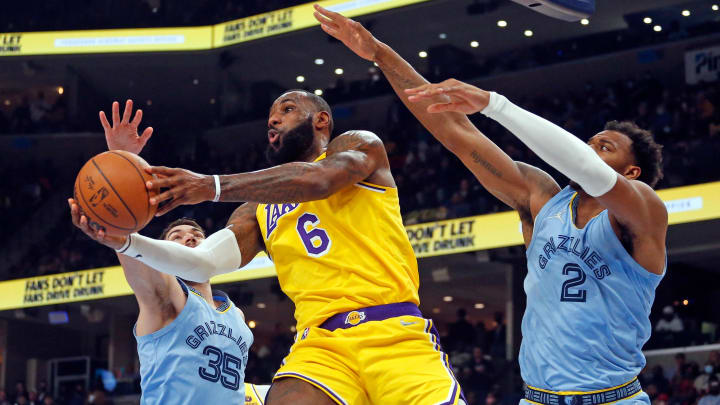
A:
x: 183, y: 187
x: 123, y: 134
x: 464, y: 98
x: 98, y: 235
x: 349, y: 32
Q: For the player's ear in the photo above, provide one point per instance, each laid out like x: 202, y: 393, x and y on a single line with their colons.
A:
x: 321, y: 120
x: 632, y: 172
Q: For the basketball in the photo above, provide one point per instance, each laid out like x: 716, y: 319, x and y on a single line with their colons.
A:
x: 110, y: 190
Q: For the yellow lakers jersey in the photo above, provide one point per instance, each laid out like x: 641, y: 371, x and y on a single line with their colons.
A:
x: 345, y: 252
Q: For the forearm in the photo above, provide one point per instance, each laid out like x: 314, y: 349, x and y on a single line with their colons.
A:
x: 218, y: 254
x: 286, y: 183
x: 402, y: 76
x: 559, y: 148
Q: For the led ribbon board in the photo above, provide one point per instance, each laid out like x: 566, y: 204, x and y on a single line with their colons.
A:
x: 685, y: 204
x: 185, y: 38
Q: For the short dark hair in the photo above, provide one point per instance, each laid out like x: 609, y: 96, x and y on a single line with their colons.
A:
x: 319, y: 103
x: 647, y: 152
x: 180, y: 221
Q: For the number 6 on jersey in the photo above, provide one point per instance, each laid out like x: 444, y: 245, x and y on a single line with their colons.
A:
x: 316, y: 240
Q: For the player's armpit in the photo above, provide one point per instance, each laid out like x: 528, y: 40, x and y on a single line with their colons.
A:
x: 638, y: 209
x: 159, y: 295
x: 243, y: 223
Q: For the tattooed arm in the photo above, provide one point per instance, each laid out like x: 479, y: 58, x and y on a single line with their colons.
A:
x: 351, y: 157
x: 521, y: 186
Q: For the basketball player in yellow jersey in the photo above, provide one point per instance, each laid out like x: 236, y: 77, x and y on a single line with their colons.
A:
x: 329, y: 217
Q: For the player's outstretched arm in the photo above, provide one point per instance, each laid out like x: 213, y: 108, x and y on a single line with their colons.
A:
x: 521, y: 186
x: 351, y: 157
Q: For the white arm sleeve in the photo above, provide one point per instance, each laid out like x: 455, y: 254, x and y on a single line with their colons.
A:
x: 559, y: 148
x: 218, y: 254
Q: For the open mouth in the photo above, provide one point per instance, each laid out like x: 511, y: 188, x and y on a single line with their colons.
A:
x: 273, y: 137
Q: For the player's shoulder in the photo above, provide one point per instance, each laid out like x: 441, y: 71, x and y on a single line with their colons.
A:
x: 651, y: 197
x: 355, y: 139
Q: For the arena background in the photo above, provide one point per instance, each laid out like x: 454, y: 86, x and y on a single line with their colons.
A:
x: 205, y: 75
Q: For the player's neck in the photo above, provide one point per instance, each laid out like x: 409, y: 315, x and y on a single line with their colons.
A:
x: 587, y: 205
x: 318, y: 147
x: 203, y: 289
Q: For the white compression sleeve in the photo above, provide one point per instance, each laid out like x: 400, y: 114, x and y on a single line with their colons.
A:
x: 218, y: 254
x: 559, y: 148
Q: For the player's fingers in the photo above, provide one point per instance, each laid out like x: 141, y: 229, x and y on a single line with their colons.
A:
x: 138, y: 117
x: 167, y: 171
x: 442, y: 107
x: 128, y: 112
x: 103, y: 121
x: 158, y: 183
x: 168, y: 207
x: 331, y: 31
x: 327, y: 13
x: 147, y: 133
x: 73, y: 211
x: 164, y: 196
x: 325, y: 21
x: 115, y: 113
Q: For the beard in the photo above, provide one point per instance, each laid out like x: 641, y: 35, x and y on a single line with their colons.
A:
x: 294, y: 144
x: 574, y: 186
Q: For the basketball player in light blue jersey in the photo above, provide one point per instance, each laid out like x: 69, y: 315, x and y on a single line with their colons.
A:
x: 193, y: 342
x: 595, y: 249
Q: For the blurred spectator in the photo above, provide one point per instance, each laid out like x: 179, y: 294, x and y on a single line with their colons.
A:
x: 42, y: 390
x: 20, y: 391
x: 713, y: 396
x: 3, y: 398
x: 497, y: 337
x: 461, y: 333
x: 48, y: 400
x: 21, y: 400
x: 97, y: 396
x: 669, y: 328
x: 702, y: 381
x: 33, y: 398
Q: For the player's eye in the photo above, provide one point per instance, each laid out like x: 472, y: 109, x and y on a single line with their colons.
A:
x: 605, y: 148
x: 288, y: 109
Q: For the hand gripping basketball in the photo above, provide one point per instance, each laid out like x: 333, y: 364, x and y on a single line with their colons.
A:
x: 182, y: 187
x: 97, y: 234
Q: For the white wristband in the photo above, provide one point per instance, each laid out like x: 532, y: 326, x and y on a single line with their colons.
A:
x: 217, y: 188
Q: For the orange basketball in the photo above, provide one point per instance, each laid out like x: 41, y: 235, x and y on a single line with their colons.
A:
x: 110, y: 190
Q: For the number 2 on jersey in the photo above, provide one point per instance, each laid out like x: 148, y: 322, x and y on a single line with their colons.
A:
x: 316, y: 240
x: 579, y: 279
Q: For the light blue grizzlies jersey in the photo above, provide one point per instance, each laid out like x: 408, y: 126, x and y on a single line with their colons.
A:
x: 199, y: 358
x: 588, y: 303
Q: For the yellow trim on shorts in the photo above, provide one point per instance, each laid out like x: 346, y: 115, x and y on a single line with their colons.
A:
x: 585, y: 392
x: 631, y: 396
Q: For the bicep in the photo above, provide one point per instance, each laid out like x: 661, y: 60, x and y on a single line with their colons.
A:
x: 243, y: 223
x: 149, y: 285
